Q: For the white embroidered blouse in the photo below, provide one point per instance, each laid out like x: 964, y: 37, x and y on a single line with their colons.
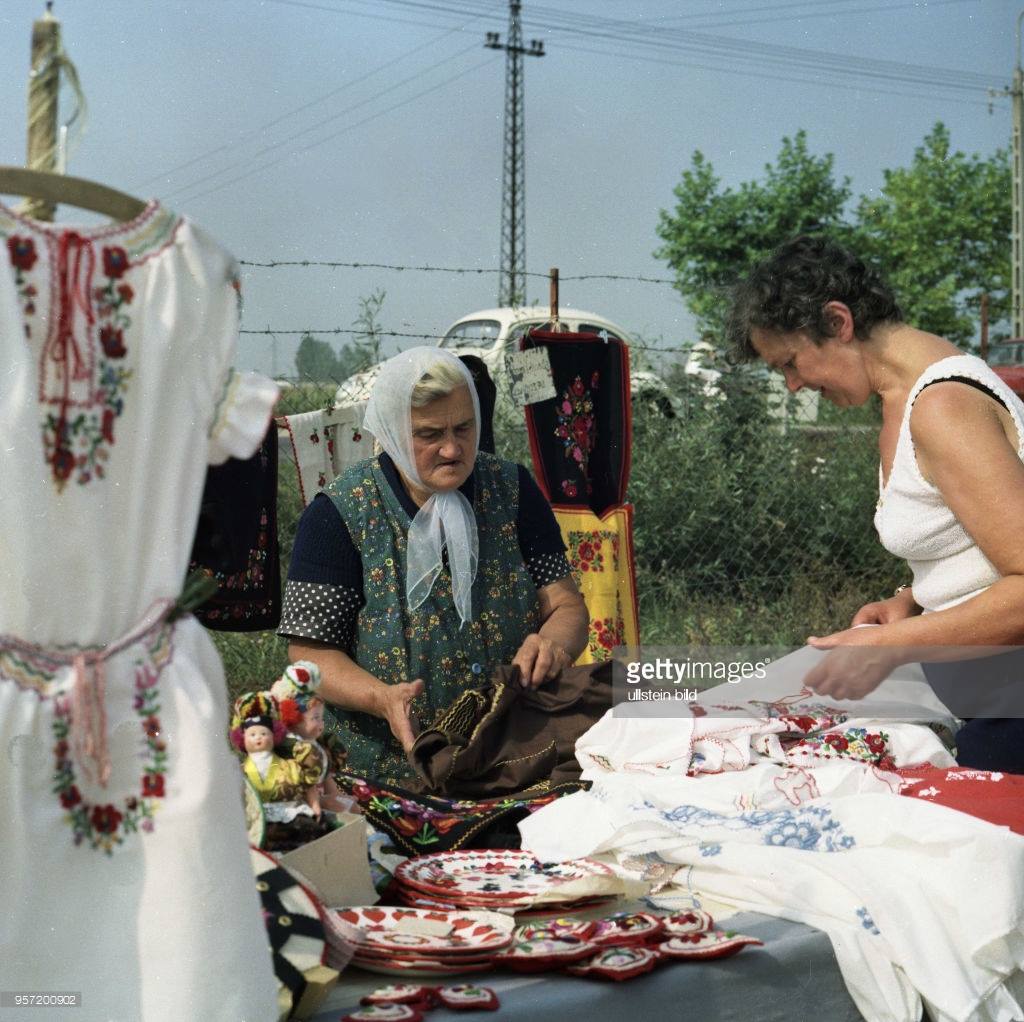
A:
x: 116, y: 344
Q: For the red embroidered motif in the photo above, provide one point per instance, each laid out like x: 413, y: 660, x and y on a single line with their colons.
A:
x: 84, y: 386
x: 576, y: 428
x: 104, y: 826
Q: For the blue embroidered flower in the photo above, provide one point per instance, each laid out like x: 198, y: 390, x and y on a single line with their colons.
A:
x: 867, y: 922
x: 707, y: 850
x: 793, y: 835
x: 810, y: 828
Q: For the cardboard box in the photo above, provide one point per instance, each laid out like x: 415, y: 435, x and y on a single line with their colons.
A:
x: 337, y: 865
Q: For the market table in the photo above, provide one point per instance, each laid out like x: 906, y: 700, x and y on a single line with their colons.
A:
x: 794, y: 976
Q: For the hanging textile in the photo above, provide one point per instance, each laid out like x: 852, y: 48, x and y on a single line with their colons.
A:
x: 600, y: 551
x: 487, y: 394
x: 581, y: 439
x: 236, y: 542
x: 122, y: 827
x: 325, y: 443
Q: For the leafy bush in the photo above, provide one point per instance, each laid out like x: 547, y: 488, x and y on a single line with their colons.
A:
x: 746, y: 532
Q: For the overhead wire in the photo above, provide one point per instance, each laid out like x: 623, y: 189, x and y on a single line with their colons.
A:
x: 618, y: 30
x: 302, y: 107
x: 824, y: 66
x: 347, y: 128
x: 319, y: 124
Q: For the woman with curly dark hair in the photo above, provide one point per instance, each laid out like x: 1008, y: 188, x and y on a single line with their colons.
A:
x: 951, y: 485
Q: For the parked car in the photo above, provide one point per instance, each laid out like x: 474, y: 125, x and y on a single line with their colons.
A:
x: 493, y: 334
x: 1007, y: 361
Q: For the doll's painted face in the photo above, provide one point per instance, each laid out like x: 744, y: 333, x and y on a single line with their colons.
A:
x: 258, y: 738
x: 311, y: 725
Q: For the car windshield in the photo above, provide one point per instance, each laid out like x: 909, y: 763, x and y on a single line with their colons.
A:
x: 472, y: 333
x: 1006, y: 354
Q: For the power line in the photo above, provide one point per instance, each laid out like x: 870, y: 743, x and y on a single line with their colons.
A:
x: 687, y: 40
x: 351, y: 127
x: 761, y: 75
x: 728, y: 47
x: 303, y: 107
x: 319, y: 124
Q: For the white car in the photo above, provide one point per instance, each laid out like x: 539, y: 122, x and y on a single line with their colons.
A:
x: 493, y: 334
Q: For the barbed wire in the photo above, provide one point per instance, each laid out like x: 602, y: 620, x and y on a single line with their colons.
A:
x: 337, y: 330
x: 337, y: 264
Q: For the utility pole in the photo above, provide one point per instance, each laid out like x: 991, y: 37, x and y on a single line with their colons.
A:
x: 43, y: 91
x: 512, y: 279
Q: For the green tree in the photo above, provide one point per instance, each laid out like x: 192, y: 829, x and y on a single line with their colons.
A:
x: 316, y: 360
x: 713, y: 233
x: 940, y: 229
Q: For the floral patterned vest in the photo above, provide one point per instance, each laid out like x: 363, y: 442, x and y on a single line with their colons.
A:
x: 396, y: 644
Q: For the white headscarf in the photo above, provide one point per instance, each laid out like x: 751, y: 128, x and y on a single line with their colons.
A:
x: 446, y: 519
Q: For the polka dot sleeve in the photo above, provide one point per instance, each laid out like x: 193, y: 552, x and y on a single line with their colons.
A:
x: 540, y: 539
x: 324, y: 591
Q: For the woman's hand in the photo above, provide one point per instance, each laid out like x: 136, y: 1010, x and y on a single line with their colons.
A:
x: 394, y: 704
x: 539, y: 659
x: 885, y: 612
x: 855, y: 667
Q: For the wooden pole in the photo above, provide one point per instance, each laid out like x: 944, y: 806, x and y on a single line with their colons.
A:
x: 43, y: 90
x: 553, y: 274
x: 984, y: 326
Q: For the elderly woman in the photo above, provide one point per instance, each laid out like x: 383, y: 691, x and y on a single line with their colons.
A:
x: 417, y: 572
x: 951, y: 484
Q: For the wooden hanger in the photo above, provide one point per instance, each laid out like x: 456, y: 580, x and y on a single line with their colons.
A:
x: 72, y: 191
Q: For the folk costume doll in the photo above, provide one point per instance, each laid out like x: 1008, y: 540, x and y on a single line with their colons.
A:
x: 286, y: 785
x: 302, y: 713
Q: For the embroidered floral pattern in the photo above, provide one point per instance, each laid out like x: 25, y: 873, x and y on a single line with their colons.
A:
x: 854, y: 743
x: 809, y: 828
x: 604, y: 634
x: 576, y: 428
x: 250, y: 579
x: 81, y: 442
x: 105, y: 825
x: 82, y: 351
x: 23, y: 257
x: 867, y: 922
x: 420, y: 823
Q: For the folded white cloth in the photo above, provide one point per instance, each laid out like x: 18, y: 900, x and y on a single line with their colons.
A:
x: 796, y: 814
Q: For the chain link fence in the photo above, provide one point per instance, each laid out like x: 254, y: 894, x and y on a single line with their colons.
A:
x: 748, y: 528
x: 738, y: 506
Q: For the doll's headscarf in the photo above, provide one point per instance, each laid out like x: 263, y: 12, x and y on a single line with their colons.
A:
x: 446, y: 519
x: 299, y: 683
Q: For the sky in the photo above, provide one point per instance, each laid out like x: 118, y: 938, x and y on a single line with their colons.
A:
x: 370, y: 131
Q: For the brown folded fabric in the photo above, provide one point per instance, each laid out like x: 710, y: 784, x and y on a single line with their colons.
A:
x: 501, y: 738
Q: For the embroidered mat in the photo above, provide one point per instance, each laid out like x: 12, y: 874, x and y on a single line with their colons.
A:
x: 422, y: 823
x: 600, y: 550
x: 580, y: 440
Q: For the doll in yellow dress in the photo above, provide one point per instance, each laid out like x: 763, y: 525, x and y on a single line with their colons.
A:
x: 302, y: 712
x: 287, y: 785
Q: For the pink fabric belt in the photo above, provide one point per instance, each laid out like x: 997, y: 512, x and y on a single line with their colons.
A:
x: 88, y: 687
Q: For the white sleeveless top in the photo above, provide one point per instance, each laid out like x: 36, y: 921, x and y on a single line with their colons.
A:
x: 913, y: 520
